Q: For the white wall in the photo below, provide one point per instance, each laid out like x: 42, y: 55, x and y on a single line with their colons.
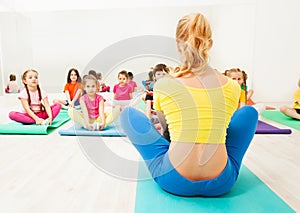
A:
x: 260, y: 37
x: 276, y: 50
x: 64, y: 39
x: 16, y: 47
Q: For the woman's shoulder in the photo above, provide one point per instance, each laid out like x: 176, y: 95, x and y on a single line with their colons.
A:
x: 232, y: 85
x: 164, y: 81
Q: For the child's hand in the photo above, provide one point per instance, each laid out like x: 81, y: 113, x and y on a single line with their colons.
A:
x: 39, y: 121
x: 50, y: 120
x: 90, y: 127
x: 71, y: 104
x: 101, y: 125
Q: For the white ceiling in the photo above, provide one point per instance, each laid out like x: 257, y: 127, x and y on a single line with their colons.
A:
x: 54, y: 5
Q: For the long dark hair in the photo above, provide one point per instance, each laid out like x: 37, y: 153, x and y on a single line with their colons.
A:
x: 69, y: 75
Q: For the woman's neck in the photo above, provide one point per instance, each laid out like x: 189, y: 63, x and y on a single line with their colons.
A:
x: 200, y: 69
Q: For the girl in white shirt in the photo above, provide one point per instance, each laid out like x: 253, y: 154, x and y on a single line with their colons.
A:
x: 34, y: 100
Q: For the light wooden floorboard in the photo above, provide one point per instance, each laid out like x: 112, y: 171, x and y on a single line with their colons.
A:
x: 51, y: 173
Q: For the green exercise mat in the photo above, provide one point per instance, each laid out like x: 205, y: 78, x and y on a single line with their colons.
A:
x: 249, y: 194
x: 279, y: 117
x: 142, y: 105
x: 15, y: 128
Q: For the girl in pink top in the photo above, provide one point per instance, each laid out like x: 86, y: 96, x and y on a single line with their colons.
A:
x: 92, y: 116
x: 122, y: 91
x: 35, y: 102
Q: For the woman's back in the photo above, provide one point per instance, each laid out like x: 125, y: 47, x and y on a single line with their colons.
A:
x: 198, y: 108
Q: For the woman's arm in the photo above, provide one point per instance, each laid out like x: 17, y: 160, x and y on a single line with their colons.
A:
x: 48, y: 109
x: 27, y: 109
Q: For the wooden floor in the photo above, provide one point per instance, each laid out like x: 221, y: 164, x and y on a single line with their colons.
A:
x: 52, y: 173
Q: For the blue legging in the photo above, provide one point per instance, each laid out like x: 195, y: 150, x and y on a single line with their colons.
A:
x: 153, y: 147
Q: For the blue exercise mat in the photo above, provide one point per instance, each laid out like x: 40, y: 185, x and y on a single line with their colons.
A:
x: 249, y: 194
x: 109, y: 131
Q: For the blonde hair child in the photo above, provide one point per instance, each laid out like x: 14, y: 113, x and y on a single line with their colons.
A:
x: 246, y: 95
x: 92, y: 116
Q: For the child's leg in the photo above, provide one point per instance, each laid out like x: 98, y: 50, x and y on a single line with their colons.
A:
x: 147, y: 140
x: 240, y: 133
x: 76, y: 116
x: 55, y: 108
x: 21, y: 117
x: 290, y: 112
x: 112, y: 115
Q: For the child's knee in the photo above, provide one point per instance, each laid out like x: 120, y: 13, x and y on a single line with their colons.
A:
x: 11, y: 115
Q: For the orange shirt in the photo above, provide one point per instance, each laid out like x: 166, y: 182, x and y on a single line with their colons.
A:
x: 72, y: 88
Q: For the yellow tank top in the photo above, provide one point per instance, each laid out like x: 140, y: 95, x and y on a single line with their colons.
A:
x: 196, y: 115
x: 296, y: 99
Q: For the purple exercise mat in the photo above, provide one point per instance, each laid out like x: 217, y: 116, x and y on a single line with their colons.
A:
x: 264, y: 128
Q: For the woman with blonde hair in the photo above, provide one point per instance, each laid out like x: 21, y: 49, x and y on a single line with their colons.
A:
x: 209, y: 137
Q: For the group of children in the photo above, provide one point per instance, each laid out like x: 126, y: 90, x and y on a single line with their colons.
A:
x: 84, y: 103
x: 88, y: 108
